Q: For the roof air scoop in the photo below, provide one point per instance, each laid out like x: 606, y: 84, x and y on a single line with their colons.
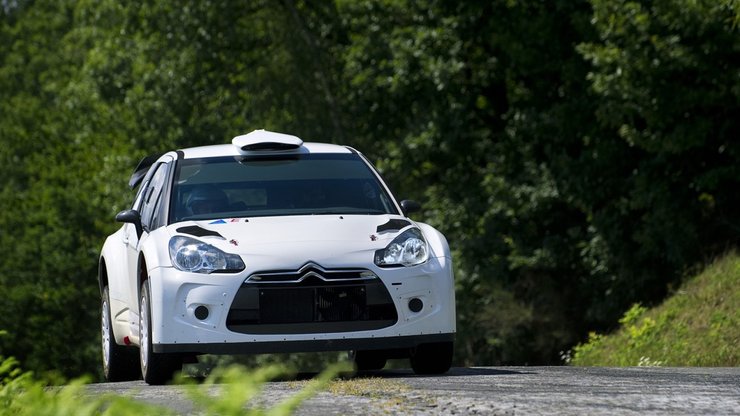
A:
x: 263, y: 140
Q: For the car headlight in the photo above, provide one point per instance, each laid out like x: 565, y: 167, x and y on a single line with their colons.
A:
x: 408, y: 249
x: 191, y: 255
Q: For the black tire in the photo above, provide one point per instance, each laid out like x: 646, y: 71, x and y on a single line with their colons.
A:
x: 368, y: 360
x: 435, y: 358
x: 119, y: 362
x: 156, y: 368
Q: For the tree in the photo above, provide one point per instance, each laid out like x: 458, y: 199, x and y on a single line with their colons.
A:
x: 578, y: 155
x: 667, y: 88
x: 458, y: 94
x: 89, y: 88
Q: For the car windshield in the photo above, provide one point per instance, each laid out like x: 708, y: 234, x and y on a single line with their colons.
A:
x: 307, y: 184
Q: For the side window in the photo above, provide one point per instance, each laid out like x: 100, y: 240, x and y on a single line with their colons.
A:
x: 140, y: 195
x: 152, y: 196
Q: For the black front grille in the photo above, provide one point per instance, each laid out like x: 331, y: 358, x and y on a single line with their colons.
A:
x: 341, y: 304
x: 283, y: 306
x: 311, y: 305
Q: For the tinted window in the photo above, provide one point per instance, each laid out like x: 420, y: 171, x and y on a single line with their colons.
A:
x: 152, y: 197
x: 310, y: 184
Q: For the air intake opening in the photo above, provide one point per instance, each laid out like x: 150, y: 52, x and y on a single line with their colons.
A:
x: 270, y: 146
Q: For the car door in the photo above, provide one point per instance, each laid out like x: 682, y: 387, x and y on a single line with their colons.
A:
x: 146, y: 202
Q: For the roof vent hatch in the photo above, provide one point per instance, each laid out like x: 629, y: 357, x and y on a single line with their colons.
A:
x: 263, y: 140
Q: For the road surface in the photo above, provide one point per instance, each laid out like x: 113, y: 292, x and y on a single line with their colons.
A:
x: 495, y: 391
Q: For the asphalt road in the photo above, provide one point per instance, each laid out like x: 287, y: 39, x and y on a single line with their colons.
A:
x: 497, y: 391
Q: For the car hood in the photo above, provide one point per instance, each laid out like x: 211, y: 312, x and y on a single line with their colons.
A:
x: 291, y: 241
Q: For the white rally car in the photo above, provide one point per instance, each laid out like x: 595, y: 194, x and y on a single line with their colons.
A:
x: 269, y: 245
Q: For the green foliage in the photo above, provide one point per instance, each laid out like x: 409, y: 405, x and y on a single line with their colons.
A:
x: 666, y: 90
x: 21, y: 394
x: 461, y: 97
x: 236, y: 388
x: 89, y: 88
x: 50, y: 169
x: 699, y: 325
x: 227, y: 391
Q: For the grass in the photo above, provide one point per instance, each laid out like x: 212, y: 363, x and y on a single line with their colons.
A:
x: 699, y: 325
x: 373, y: 387
x: 391, y: 395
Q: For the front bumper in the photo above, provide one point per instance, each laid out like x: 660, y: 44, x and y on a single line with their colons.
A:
x: 264, y: 347
x: 179, y: 300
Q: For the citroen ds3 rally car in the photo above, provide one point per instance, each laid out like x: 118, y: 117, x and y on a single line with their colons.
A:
x: 269, y: 245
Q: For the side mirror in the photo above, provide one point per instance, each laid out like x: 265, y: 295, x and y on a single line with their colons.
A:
x: 131, y: 216
x: 409, y: 207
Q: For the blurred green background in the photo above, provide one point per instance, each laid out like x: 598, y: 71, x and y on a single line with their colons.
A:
x: 580, y: 156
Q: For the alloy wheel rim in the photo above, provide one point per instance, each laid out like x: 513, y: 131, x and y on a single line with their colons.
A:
x: 105, y: 334
x: 144, y: 333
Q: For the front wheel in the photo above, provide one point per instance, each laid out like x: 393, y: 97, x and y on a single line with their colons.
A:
x: 119, y: 362
x: 434, y: 358
x: 156, y: 368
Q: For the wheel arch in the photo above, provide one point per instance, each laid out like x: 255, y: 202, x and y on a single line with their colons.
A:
x: 142, y: 274
x: 102, y: 274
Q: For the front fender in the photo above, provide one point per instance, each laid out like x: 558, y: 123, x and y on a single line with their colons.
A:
x: 437, y: 242
x: 154, y: 249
